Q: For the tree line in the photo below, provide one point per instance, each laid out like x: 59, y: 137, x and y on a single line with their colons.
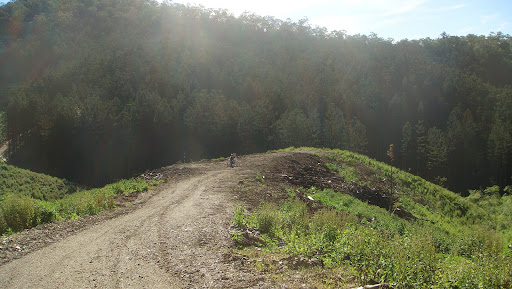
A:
x: 97, y: 90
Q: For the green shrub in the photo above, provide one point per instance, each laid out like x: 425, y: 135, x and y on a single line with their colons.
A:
x: 47, y: 212
x: 19, y: 212
x: 267, y: 218
x: 260, y: 178
x: 239, y: 217
x: 3, y: 224
x: 294, y: 215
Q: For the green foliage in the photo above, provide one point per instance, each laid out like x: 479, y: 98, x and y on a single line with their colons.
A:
x: 406, y: 144
x: 497, y: 208
x: 452, y: 241
x: 420, y: 197
x: 239, y: 217
x: 296, y: 127
x: 3, y: 128
x: 358, y: 140
x: 385, y: 248
x: 260, y: 178
x: 237, y: 238
x: 3, y: 224
x: 20, y: 182
x: 348, y: 173
x: 437, y: 151
x: 266, y: 218
x: 19, y: 212
x: 219, y: 159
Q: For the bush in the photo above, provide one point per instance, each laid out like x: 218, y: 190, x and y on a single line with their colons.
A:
x: 3, y: 224
x: 267, y: 218
x: 239, y: 217
x: 19, y: 212
x: 294, y: 215
x: 46, y: 213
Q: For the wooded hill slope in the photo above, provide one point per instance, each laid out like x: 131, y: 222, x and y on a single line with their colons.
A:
x: 99, y: 89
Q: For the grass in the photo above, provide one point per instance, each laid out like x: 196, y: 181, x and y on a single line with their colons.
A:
x: 28, y: 199
x: 453, y: 241
x: 384, y: 248
x: 432, y: 203
x: 21, y: 182
x: 219, y: 159
x: 346, y: 171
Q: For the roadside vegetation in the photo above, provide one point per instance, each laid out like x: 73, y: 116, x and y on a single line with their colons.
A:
x: 428, y: 237
x: 28, y: 199
x: 21, y: 182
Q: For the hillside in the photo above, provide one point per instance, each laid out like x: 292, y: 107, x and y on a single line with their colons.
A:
x: 297, y: 217
x: 343, y: 212
x: 28, y: 199
x: 94, y: 91
x: 16, y: 181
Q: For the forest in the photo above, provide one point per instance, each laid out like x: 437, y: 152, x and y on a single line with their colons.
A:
x: 97, y: 90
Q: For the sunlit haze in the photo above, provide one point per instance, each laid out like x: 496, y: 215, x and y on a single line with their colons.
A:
x: 395, y: 19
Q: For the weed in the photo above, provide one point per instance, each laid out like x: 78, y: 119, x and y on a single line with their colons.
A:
x: 266, y: 218
x: 238, y: 238
x: 348, y: 173
x: 239, y: 217
x: 260, y: 178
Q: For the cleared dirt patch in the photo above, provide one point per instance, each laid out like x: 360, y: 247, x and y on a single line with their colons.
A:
x: 308, y: 170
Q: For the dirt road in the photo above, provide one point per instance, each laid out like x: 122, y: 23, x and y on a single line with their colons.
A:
x: 177, y: 238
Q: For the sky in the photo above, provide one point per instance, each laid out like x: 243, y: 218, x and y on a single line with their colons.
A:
x: 396, y: 19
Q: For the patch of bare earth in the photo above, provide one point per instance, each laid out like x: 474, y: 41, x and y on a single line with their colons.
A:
x: 306, y: 170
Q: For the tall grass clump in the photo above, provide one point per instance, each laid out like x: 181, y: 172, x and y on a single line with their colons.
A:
x: 19, y: 212
x: 266, y: 218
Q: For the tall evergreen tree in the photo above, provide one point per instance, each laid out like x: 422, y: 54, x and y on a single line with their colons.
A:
x: 437, y: 152
x: 500, y: 149
x: 421, y: 147
x: 406, y: 144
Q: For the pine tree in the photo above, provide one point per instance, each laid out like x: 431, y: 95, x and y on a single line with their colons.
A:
x: 437, y: 152
x: 421, y: 147
x: 406, y: 143
x: 357, y: 137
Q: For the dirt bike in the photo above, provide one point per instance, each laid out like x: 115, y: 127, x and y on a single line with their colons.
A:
x: 233, y: 161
